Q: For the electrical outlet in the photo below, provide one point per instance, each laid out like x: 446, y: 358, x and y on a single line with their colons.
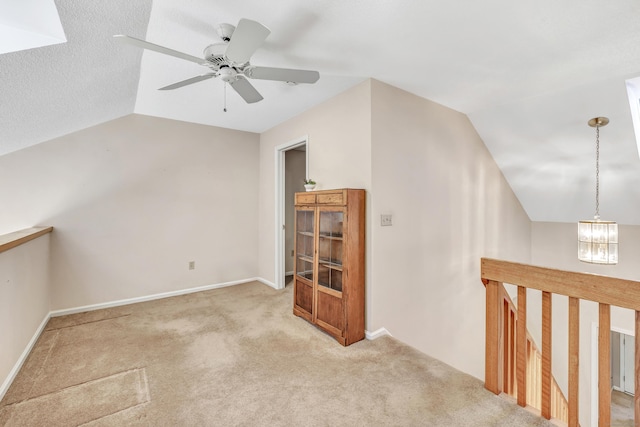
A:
x: 192, y: 265
x: 385, y: 220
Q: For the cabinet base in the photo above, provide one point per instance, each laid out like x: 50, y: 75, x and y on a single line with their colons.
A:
x: 337, y: 336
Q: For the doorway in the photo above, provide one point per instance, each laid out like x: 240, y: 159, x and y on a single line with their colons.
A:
x: 622, y: 365
x: 292, y: 160
x: 622, y: 362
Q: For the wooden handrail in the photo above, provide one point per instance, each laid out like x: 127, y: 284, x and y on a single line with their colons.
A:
x: 604, y: 290
x: 592, y: 287
x: 17, y: 238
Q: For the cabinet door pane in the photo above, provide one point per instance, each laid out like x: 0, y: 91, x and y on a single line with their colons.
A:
x: 304, y: 243
x: 331, y: 223
x: 330, y: 276
x: 330, y: 249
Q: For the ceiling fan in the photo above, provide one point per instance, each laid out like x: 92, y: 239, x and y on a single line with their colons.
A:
x: 229, y: 60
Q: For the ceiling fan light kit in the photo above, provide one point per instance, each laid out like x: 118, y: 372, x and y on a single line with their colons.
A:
x: 229, y: 60
x: 598, y: 239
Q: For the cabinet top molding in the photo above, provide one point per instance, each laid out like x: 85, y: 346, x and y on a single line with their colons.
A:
x: 338, y: 197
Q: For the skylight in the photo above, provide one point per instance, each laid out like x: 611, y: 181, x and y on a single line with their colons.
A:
x: 633, y: 91
x: 28, y: 24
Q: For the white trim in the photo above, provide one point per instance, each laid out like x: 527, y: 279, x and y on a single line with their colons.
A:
x: 268, y: 283
x: 152, y: 297
x: 23, y: 357
x: 377, y: 334
x: 279, y: 202
x: 623, y: 331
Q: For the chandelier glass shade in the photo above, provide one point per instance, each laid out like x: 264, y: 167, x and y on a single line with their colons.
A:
x: 598, y: 239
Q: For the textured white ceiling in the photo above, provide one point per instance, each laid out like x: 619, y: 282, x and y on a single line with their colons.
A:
x: 529, y: 74
x: 54, y: 90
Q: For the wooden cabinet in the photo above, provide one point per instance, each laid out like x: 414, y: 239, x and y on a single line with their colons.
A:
x: 329, y: 261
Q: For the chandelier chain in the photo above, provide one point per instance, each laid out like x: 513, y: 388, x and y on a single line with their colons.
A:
x: 597, y: 172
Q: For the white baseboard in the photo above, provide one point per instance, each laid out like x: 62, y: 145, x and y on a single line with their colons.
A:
x: 376, y: 334
x: 118, y: 303
x: 23, y: 357
x: 266, y: 282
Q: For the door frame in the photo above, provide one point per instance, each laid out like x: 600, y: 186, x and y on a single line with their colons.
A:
x: 280, y: 202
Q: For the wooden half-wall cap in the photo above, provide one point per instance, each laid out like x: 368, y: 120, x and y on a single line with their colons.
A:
x: 11, y: 240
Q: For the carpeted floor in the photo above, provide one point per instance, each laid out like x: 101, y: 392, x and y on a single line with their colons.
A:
x: 236, y: 357
x: 622, y: 409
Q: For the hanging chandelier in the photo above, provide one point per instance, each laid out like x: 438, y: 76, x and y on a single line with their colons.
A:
x: 598, y: 239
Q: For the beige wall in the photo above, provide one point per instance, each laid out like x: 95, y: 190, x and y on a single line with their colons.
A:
x: 418, y: 161
x: 555, y: 245
x: 339, y: 132
x: 24, y: 300
x: 133, y: 201
x: 450, y: 206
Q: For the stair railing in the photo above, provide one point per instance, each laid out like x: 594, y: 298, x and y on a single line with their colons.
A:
x: 606, y: 291
x: 559, y: 404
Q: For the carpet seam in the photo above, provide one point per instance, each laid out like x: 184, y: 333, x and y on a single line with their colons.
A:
x: 141, y: 373
x: 87, y: 323
x: 73, y: 386
x: 44, y: 362
x: 114, y: 413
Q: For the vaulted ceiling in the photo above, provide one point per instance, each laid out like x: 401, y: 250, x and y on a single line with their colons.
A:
x: 529, y: 75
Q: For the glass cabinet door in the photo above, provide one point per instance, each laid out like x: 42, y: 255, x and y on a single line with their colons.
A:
x: 330, y: 249
x: 304, y: 243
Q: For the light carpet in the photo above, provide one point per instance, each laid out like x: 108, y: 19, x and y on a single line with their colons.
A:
x: 622, y: 409
x: 236, y: 356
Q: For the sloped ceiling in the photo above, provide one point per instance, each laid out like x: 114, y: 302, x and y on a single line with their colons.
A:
x: 529, y: 75
x: 50, y: 91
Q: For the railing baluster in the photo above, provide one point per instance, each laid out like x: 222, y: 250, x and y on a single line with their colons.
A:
x: 574, y: 359
x: 506, y: 384
x: 637, y: 371
x: 545, y: 410
x: 604, y: 365
x: 512, y: 353
x: 521, y: 347
x: 492, y: 342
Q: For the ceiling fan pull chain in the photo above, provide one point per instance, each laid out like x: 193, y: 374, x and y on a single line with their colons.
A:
x: 225, y: 98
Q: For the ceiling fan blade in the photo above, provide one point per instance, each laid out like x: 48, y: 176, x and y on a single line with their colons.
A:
x: 161, y: 49
x: 188, y: 81
x: 246, y: 38
x: 282, y: 74
x: 246, y: 90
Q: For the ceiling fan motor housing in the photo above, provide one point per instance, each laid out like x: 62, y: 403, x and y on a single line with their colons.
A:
x: 227, y: 74
x: 214, y: 53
